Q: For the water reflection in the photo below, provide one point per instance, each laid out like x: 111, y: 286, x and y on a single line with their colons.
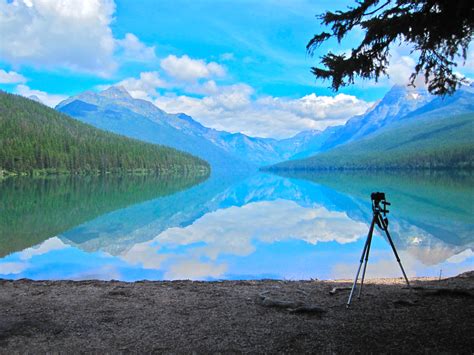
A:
x: 34, y: 209
x: 261, y: 226
x: 236, y: 231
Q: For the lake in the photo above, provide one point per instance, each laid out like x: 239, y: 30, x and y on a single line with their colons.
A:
x: 254, y: 226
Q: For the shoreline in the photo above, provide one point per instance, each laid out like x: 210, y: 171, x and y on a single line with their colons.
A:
x: 237, y: 316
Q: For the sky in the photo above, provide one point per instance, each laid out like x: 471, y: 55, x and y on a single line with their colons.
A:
x: 236, y: 65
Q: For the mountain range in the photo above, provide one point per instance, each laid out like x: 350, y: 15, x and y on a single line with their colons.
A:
x: 37, y: 140
x: 407, y: 129
x: 114, y: 109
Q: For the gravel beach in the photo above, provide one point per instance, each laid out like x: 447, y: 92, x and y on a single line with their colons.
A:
x: 266, y: 316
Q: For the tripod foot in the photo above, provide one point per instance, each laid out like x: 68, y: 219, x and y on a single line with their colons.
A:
x: 366, y: 248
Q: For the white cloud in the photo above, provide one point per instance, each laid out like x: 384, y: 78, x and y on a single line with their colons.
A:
x: 233, y: 109
x: 58, y: 33
x: 403, y: 62
x: 135, y: 50
x: 11, y: 77
x: 187, y: 69
x: 402, y: 66
x: 209, y: 87
x: 145, y: 86
x: 48, y: 99
x: 318, y: 107
x: 400, y: 69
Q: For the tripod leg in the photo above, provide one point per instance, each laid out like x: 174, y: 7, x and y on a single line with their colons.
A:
x: 366, y: 261
x: 385, y: 227
x: 361, y: 261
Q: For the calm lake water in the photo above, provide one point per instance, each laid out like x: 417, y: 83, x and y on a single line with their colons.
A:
x: 229, y: 227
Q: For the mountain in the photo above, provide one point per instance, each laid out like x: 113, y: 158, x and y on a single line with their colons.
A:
x: 306, y: 143
x: 37, y: 139
x: 434, y: 133
x: 257, y: 151
x: 459, y: 103
x: 425, y: 143
x: 264, y: 151
x: 398, y: 102
x: 115, y: 110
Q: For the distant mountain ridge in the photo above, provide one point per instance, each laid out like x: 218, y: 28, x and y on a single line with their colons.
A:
x: 398, y: 102
x: 114, y: 109
x: 422, y: 132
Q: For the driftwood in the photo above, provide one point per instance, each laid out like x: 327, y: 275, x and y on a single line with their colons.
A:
x: 338, y: 289
x: 295, y: 307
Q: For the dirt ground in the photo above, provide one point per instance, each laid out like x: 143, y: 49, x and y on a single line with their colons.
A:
x: 237, y: 317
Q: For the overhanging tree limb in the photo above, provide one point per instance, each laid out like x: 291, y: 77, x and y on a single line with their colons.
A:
x: 440, y: 32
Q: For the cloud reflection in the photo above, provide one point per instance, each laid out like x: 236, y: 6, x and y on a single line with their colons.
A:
x: 48, y: 245
x: 384, y: 265
x: 235, y: 230
x: 12, y: 268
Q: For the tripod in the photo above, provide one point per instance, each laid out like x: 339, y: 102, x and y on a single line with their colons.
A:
x: 379, y: 218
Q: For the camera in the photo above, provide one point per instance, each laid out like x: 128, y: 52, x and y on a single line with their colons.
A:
x: 377, y: 197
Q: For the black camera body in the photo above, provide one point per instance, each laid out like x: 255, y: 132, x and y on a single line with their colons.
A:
x: 379, y: 206
x: 377, y: 197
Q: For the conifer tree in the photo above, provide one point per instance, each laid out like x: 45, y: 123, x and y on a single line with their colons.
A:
x: 440, y: 32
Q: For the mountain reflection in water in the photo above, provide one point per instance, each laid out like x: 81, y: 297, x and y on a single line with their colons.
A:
x: 230, y: 227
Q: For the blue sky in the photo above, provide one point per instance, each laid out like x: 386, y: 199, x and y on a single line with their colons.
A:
x: 233, y: 65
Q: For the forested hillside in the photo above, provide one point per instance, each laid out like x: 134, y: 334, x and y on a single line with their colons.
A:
x: 115, y: 110
x: 35, y: 139
x: 424, y: 143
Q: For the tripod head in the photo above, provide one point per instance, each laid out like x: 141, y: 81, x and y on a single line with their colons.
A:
x: 379, y: 206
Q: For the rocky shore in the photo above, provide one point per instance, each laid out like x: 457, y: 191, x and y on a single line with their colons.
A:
x: 264, y: 316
